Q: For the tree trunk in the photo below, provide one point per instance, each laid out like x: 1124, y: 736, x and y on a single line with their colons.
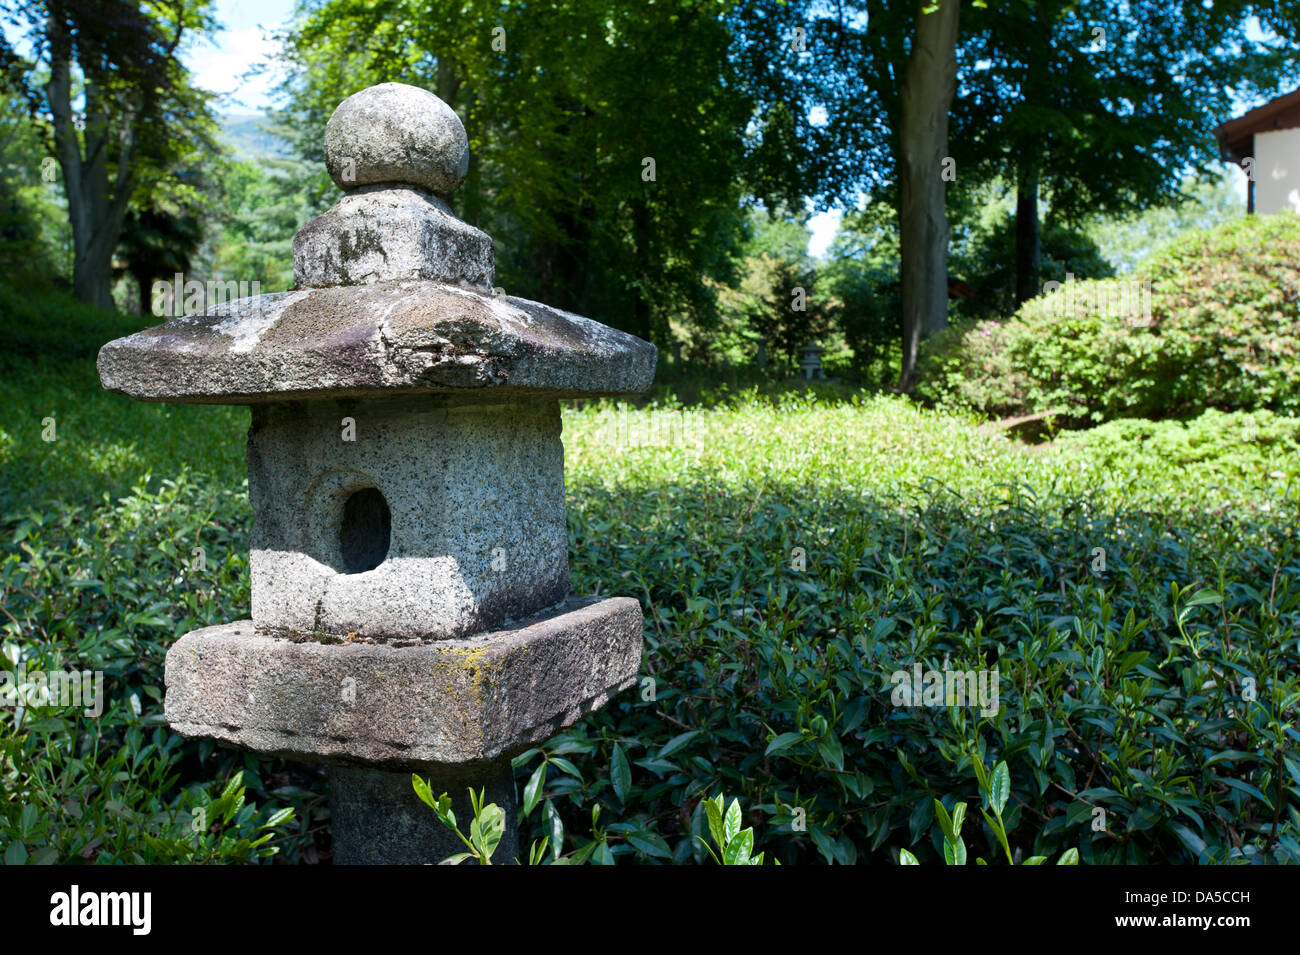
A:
x: 94, y: 212
x: 641, y: 318
x: 929, y: 83
x: 1028, y: 242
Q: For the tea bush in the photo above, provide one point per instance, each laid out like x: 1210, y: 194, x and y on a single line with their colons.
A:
x: 1123, y: 690
x: 790, y: 555
x: 1223, y: 332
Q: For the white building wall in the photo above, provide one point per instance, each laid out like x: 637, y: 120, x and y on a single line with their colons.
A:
x: 1277, y: 171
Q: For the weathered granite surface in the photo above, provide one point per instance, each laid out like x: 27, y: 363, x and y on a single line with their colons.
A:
x: 404, y: 707
x: 383, y: 233
x: 367, y: 340
x: 395, y: 133
x: 400, y: 152
x: 474, y: 532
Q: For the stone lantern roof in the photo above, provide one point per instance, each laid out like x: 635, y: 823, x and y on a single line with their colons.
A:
x: 394, y: 294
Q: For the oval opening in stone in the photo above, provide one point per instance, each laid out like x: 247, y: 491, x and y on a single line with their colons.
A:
x: 365, y: 531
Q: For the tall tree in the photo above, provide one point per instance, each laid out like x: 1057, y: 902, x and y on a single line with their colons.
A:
x: 869, y: 93
x: 106, y: 88
x: 1104, y: 106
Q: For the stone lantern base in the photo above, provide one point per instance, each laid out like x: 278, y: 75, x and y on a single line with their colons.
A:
x: 455, y: 710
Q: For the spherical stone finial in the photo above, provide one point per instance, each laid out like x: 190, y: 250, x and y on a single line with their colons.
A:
x: 396, y: 134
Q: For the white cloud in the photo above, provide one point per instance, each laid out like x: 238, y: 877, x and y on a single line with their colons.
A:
x: 221, y: 67
x: 823, y: 227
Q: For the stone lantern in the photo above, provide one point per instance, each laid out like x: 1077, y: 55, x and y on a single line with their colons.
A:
x: 810, y: 361
x: 409, y: 565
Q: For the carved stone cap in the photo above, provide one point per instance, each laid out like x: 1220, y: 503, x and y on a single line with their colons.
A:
x: 399, y: 152
x: 390, y: 337
x: 396, y: 134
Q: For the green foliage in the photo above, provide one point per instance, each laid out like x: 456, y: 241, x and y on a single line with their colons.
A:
x: 1224, y: 448
x: 98, y: 572
x: 105, y: 590
x: 266, y: 201
x: 485, y: 829
x: 35, y: 237
x: 734, y: 845
x: 1125, y: 242
x: 42, y: 325
x: 862, y: 277
x: 1160, y: 689
x: 772, y: 682
x: 1222, y: 332
x: 776, y: 298
x: 995, y: 788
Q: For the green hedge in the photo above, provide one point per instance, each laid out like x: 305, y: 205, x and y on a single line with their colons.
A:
x: 1211, y: 321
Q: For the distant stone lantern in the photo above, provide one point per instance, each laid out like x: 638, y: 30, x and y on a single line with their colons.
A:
x: 810, y: 361
x: 409, y: 565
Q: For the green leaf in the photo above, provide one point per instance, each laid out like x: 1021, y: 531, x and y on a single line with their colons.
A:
x: 1293, y: 768
x: 533, y: 789
x: 906, y: 858
x: 556, y: 826
x: 731, y: 824
x: 945, y: 821
x: 538, y: 851
x: 713, y: 810
x: 954, y: 852
x: 831, y: 751
x: 1000, y: 788
x: 998, y: 832
x: 46, y: 856
x: 565, y: 766
x: 233, y: 785
x: 279, y: 818
x: 423, y: 790
x: 652, y: 844
x: 1130, y: 661
x: 784, y: 741
x: 1069, y: 857
x: 486, y: 830
x: 739, y: 848
x: 676, y: 743
x: 620, y: 774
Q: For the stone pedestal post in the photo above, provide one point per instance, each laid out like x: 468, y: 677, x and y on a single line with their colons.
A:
x: 377, y: 819
x: 409, y: 565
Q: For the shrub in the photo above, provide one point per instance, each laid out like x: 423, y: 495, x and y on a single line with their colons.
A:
x: 106, y: 591
x: 1223, y: 332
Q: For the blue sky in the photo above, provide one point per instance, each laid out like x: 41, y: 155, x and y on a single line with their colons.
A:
x: 245, y: 42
